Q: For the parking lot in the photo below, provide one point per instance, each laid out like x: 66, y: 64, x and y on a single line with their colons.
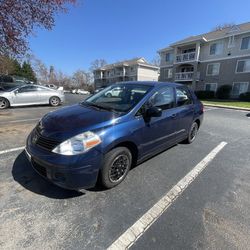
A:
x: 213, y: 212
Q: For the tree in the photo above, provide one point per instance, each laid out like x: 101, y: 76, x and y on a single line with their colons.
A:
x: 19, y: 17
x: 156, y: 60
x: 6, y: 65
x: 223, y: 26
x: 27, y: 72
x: 98, y: 63
x: 79, y: 79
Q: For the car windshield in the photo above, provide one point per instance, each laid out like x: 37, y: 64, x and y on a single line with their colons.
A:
x: 119, y: 97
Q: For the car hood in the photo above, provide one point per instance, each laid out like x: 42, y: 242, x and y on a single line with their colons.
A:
x: 67, y: 122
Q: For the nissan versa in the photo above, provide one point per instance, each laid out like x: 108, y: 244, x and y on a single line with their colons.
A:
x: 103, y: 136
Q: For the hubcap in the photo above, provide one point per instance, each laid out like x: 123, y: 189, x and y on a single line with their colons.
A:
x: 119, y: 168
x: 193, y: 132
x: 2, y: 103
x: 54, y: 101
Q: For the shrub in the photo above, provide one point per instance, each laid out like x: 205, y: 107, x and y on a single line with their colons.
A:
x: 205, y: 94
x: 245, y: 97
x: 224, y: 91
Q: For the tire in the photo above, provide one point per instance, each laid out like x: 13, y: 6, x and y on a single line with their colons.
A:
x: 4, y: 103
x: 192, y: 133
x: 117, y: 164
x: 54, y: 101
x: 109, y: 95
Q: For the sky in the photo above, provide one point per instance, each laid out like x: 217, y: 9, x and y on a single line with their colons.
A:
x: 123, y: 29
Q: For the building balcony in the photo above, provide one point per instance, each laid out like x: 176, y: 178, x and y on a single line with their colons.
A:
x: 186, y: 57
x: 187, y: 76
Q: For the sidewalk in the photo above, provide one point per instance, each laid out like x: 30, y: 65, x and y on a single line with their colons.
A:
x: 225, y: 106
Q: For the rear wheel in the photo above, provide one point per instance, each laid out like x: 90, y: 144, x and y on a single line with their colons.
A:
x: 54, y: 101
x: 117, y: 164
x: 4, y: 103
x: 192, y: 133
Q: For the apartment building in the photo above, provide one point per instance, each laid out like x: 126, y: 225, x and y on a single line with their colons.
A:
x: 137, y: 69
x: 210, y: 60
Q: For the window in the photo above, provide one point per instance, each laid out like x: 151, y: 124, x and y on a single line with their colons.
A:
x: 169, y: 57
x: 183, y: 96
x: 216, y: 48
x: 213, y: 69
x: 27, y: 89
x: 243, y: 66
x: 168, y: 73
x: 245, y: 43
x: 231, y: 42
x: 163, y: 98
x: 211, y: 86
x: 239, y: 88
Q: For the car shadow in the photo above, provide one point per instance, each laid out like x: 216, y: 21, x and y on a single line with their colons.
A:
x: 248, y: 115
x: 26, y: 176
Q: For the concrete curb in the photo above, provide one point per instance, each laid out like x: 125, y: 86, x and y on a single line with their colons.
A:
x: 226, y: 107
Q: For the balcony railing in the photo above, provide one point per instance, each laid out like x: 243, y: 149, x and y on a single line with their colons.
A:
x: 187, y: 76
x: 185, y: 57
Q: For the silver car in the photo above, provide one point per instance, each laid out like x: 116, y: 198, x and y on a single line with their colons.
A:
x: 30, y: 95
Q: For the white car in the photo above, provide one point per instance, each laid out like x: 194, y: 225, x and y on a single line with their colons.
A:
x: 115, y: 92
x: 82, y: 92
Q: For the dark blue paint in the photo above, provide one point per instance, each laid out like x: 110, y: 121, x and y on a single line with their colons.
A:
x: 149, y: 137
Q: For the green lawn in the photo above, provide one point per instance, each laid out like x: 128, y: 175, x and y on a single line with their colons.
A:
x: 228, y: 103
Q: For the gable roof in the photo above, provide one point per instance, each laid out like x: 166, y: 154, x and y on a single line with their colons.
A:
x: 215, y: 35
x: 131, y: 62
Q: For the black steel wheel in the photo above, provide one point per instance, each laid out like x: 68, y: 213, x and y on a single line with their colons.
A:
x: 117, y: 164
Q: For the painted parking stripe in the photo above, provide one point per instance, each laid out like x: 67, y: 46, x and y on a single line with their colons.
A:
x: 11, y: 150
x: 16, y: 121
x: 132, y: 234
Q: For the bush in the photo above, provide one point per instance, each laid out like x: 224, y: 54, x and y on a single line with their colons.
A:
x: 205, y: 94
x: 245, y: 97
x: 224, y: 91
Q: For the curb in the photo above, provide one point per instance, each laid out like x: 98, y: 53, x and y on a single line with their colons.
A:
x: 226, y: 107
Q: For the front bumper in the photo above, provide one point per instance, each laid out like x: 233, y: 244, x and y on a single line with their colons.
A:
x: 69, y: 172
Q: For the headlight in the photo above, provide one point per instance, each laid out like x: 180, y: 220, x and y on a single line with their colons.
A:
x: 78, y: 144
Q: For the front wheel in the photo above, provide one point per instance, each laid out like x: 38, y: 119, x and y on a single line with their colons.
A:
x: 192, y: 133
x: 117, y: 164
x: 4, y: 103
x: 54, y: 101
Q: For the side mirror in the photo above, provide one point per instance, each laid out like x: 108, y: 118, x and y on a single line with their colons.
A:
x: 16, y: 92
x: 154, y: 112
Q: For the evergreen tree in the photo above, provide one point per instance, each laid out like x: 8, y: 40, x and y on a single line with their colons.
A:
x: 28, y: 72
x: 17, y: 69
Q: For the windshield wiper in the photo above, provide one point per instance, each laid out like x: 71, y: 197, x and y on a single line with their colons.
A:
x: 98, y: 106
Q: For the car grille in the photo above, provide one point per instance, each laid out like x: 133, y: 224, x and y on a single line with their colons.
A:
x: 40, y: 169
x: 43, y: 142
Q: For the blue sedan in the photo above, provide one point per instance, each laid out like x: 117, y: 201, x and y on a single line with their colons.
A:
x: 105, y: 135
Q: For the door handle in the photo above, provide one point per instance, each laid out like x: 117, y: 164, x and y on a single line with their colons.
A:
x: 173, y: 116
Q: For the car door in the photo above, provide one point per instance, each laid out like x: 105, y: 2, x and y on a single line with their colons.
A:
x: 26, y: 95
x: 158, y: 132
x: 184, y: 111
x: 44, y: 94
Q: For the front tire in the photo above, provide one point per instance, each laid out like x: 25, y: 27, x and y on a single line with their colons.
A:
x: 192, y: 133
x: 117, y: 164
x: 54, y: 101
x: 4, y: 103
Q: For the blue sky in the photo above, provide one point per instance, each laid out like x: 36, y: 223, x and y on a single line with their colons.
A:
x: 119, y: 29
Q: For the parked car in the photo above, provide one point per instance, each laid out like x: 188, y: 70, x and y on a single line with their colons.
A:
x: 82, y: 92
x: 114, y: 92
x: 52, y: 86
x: 104, y: 136
x: 30, y: 95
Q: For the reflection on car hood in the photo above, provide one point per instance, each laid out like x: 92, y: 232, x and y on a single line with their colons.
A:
x: 72, y: 120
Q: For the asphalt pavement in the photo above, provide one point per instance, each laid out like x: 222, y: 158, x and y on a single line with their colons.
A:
x: 211, y: 213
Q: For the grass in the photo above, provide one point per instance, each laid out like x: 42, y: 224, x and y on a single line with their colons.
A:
x: 233, y: 103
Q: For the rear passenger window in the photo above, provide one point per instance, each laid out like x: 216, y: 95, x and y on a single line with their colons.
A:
x: 183, y: 97
x: 163, y: 98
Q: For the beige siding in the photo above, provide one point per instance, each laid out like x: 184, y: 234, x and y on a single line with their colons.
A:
x: 146, y: 74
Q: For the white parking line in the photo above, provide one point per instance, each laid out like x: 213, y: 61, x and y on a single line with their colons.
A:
x: 16, y: 121
x: 132, y: 234
x: 11, y: 150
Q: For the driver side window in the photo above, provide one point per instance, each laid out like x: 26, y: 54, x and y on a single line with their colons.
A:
x: 163, y: 98
x: 27, y: 89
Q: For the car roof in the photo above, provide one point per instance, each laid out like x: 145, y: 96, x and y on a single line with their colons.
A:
x: 152, y: 83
